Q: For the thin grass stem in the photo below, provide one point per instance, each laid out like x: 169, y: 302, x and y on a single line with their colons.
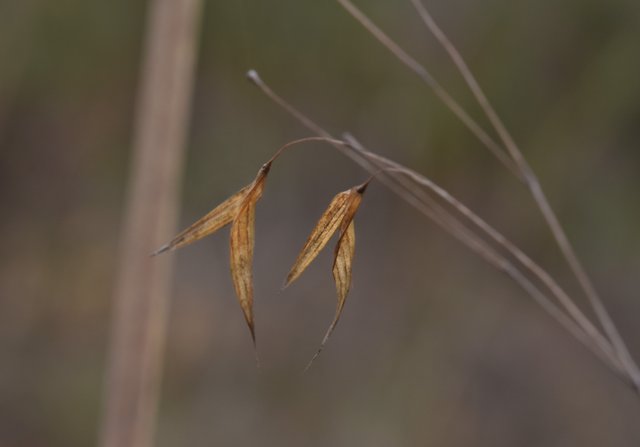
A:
x: 438, y: 90
x: 405, y: 187
x: 537, y: 193
x: 502, y: 241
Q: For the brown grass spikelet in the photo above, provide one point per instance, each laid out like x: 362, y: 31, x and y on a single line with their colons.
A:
x: 238, y: 210
x: 338, y: 215
x: 241, y: 245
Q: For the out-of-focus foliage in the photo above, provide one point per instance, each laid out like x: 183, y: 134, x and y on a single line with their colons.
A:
x: 434, y: 347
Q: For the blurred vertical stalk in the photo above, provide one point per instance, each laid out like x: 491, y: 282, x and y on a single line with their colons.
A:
x: 142, y: 283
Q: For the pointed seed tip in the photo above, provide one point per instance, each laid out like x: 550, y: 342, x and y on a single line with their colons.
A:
x: 360, y: 189
x: 161, y: 250
x: 265, y: 168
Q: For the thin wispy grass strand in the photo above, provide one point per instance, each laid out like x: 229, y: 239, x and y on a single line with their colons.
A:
x: 408, y: 190
x: 496, y: 149
x: 536, y: 191
x: 516, y: 164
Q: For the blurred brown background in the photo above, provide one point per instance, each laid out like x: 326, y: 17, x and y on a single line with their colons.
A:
x: 434, y: 347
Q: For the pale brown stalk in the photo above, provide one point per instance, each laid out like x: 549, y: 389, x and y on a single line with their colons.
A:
x: 142, y: 283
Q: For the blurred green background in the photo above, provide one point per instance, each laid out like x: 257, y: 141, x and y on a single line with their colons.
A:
x: 434, y: 347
